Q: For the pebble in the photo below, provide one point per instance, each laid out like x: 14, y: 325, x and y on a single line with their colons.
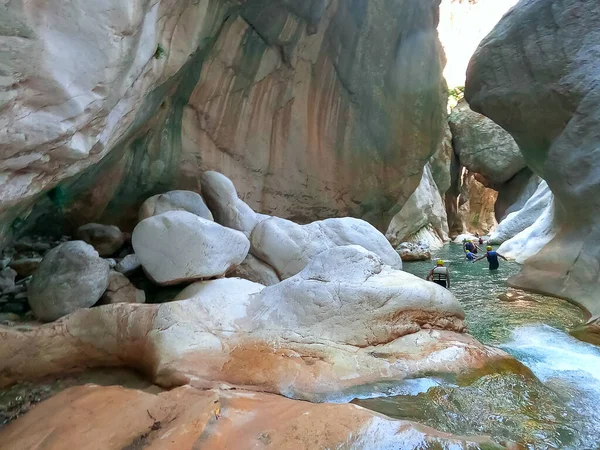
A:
x: 21, y: 296
x: 26, y: 266
x: 8, y: 317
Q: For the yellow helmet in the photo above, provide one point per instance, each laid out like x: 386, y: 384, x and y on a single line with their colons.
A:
x: 489, y: 248
x: 440, y: 262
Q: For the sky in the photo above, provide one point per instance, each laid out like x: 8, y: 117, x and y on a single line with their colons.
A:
x: 462, y: 26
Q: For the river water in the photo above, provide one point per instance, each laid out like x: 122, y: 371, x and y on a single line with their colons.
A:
x: 558, y: 408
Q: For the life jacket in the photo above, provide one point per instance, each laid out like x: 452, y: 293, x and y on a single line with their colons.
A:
x: 440, y: 273
x: 469, y: 246
x: 492, y: 257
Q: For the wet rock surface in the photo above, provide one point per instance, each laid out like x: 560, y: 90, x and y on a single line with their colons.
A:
x: 184, y: 417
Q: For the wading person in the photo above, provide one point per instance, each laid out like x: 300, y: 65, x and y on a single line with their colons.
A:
x: 492, y: 258
x: 440, y: 275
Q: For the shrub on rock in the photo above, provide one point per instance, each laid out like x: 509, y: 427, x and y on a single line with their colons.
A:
x: 179, y: 246
x: 71, y: 276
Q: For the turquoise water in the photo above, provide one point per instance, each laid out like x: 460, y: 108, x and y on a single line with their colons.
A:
x: 558, y: 408
x: 493, y: 309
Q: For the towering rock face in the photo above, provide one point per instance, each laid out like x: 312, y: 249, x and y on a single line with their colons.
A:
x: 536, y: 75
x: 313, y: 108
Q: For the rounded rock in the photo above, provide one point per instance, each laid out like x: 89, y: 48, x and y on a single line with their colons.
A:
x: 106, y: 239
x: 71, y: 276
x: 179, y: 246
x: 189, y: 201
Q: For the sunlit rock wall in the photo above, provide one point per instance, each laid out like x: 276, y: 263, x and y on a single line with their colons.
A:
x: 314, y: 109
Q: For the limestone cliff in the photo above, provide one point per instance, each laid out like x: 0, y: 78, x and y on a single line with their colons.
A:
x: 313, y: 108
x: 536, y: 75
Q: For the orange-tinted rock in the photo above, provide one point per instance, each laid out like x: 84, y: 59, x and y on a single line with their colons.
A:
x: 313, y: 112
x: 114, y: 418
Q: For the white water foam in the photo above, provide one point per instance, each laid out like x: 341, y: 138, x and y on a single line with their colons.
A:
x: 566, y: 365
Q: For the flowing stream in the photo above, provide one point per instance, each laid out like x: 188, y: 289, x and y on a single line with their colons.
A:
x: 558, y: 408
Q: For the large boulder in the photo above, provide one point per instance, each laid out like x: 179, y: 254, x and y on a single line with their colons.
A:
x: 179, y: 246
x: 410, y: 251
x: 519, y: 220
x: 344, y: 324
x: 229, y: 210
x: 484, y: 147
x: 218, y: 419
x: 288, y: 247
x: 160, y: 92
x: 189, y: 201
x: 106, y: 239
x: 424, y: 209
x: 71, y: 276
x: 550, y: 102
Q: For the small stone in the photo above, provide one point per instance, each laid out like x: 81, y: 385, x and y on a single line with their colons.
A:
x: 129, y: 264
x: 9, y: 317
x: 106, y: 239
x: 26, y: 266
x: 24, y: 281
x: 111, y: 262
x: 16, y: 307
x: 120, y: 290
x: 4, y: 262
x: 21, y: 296
x: 16, y: 289
x: 30, y: 244
x: 7, y: 279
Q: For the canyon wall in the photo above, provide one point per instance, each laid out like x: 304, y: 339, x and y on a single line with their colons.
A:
x: 536, y: 76
x: 314, y: 109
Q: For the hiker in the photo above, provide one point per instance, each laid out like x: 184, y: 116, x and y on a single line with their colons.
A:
x: 492, y: 258
x: 473, y: 248
x: 470, y: 256
x: 440, y: 274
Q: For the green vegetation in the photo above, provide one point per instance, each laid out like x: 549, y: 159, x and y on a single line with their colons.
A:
x: 160, y: 51
x: 455, y: 95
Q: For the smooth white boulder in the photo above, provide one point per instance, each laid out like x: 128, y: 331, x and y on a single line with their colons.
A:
x: 424, y: 209
x: 518, y: 221
x: 179, y: 246
x: 531, y: 240
x: 349, y: 295
x: 227, y: 208
x: 189, y: 201
x: 288, y: 247
x: 254, y: 269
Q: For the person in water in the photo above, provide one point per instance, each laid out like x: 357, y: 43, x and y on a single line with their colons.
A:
x: 492, y: 258
x: 470, y: 256
x: 440, y: 274
x: 469, y: 246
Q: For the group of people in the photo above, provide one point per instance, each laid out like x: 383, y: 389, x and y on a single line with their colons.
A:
x: 440, y: 273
